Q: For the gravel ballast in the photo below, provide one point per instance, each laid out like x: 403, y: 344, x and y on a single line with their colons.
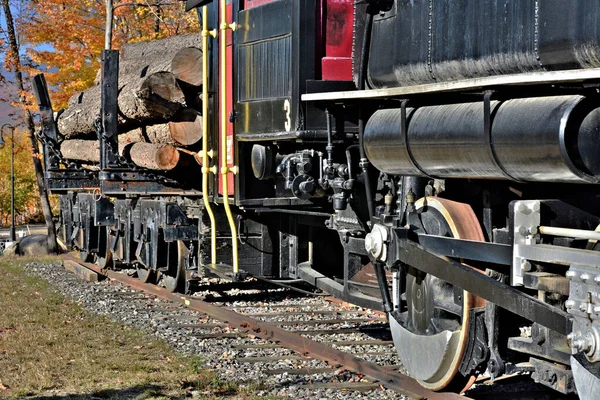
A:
x: 171, y: 322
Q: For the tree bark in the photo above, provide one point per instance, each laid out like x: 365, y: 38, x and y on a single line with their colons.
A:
x: 81, y: 150
x: 145, y: 58
x: 153, y: 98
x: 37, y: 164
x: 159, y: 157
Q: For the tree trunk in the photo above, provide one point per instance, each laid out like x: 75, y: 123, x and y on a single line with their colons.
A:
x: 159, y: 157
x: 156, y: 97
x: 13, y: 54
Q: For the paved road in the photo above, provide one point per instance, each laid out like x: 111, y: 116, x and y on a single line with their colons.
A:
x: 26, y: 229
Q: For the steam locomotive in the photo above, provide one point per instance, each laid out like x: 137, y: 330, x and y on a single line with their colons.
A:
x: 449, y: 148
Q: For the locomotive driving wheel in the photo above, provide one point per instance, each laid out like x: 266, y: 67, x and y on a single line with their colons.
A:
x: 432, y: 328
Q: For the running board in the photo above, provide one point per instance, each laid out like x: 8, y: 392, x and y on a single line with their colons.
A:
x: 488, y: 82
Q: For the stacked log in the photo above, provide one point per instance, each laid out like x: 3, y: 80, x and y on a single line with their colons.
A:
x: 158, y: 157
x: 155, y: 79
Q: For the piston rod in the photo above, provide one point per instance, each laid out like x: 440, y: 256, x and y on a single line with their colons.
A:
x: 570, y: 233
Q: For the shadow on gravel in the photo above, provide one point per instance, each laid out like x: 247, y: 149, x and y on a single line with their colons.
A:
x: 262, y: 296
x: 517, y: 388
x: 141, y: 391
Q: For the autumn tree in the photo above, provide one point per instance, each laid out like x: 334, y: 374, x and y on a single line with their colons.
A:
x: 26, y: 191
x: 66, y: 37
x: 12, y: 63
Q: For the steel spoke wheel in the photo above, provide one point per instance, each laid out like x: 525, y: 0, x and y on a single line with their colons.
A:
x: 174, y: 277
x: 431, y: 333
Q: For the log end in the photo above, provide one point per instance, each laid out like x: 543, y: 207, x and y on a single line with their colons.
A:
x: 186, y: 127
x: 167, y: 157
x: 187, y: 66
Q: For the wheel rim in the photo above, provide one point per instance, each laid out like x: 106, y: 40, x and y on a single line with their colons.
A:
x: 145, y: 275
x: 174, y: 278
x: 438, y: 324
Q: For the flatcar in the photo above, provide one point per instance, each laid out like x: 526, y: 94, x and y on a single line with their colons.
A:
x: 451, y: 149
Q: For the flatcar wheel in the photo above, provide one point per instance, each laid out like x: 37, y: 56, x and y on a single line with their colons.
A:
x: 174, y: 278
x: 105, y: 259
x: 432, y: 333
x: 146, y: 275
x: 87, y: 256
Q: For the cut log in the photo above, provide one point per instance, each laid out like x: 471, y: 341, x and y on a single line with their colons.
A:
x: 187, y: 66
x: 81, y: 150
x: 157, y: 134
x: 186, y: 127
x: 164, y: 49
x: 146, y: 58
x: 161, y: 157
x: 154, y: 98
x: 78, y: 119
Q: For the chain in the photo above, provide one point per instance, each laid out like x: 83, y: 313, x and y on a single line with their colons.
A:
x: 52, y: 146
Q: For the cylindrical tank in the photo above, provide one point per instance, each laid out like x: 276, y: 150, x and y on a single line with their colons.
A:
x: 544, y: 139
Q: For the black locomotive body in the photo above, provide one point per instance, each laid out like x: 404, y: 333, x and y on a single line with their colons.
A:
x: 448, y: 147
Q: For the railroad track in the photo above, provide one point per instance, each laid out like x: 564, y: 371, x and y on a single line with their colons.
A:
x: 313, y: 344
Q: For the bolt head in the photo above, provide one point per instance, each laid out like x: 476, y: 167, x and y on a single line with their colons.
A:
x: 583, y: 307
x: 523, y: 231
x: 536, y: 207
x: 597, y: 279
x: 522, y: 208
x: 570, y: 304
x: 526, y: 266
x: 571, y: 274
x: 584, y: 277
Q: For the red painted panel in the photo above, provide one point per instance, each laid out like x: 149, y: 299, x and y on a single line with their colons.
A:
x: 339, y: 24
x: 229, y: 89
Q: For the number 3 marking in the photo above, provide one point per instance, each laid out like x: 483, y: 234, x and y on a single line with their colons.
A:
x: 288, y: 118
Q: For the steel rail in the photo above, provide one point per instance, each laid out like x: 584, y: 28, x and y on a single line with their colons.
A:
x: 387, y: 378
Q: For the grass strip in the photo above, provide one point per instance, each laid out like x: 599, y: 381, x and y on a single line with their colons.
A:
x: 52, y: 348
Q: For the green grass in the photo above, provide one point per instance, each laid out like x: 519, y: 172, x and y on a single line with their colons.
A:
x: 50, y: 347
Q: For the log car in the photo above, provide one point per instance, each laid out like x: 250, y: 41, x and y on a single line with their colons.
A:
x: 450, y: 145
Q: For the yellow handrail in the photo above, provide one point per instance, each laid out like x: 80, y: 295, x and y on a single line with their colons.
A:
x: 225, y: 170
x: 206, y: 169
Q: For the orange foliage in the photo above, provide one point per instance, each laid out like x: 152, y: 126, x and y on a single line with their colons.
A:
x: 75, y: 31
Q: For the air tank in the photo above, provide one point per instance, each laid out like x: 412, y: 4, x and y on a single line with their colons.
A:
x: 542, y: 139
